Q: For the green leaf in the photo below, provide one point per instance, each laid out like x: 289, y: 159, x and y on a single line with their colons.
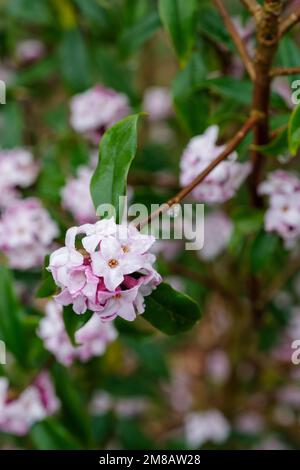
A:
x: 277, y: 146
x: 294, y: 131
x: 74, y: 61
x: 116, y: 152
x: 170, y: 311
x: 51, y: 435
x: 74, y: 409
x: 188, y: 101
x: 74, y: 322
x: 47, y: 286
x: 263, y: 250
x: 179, y: 18
x: 289, y: 56
x: 132, y: 38
x: 12, y: 126
x: 11, y: 327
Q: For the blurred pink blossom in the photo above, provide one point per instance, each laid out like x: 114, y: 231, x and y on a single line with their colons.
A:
x: 93, y: 338
x: 76, y: 196
x: 34, y: 404
x: 206, y: 426
x: 18, y: 170
x: 30, y: 50
x: 218, y: 229
x: 222, y: 183
x: 218, y: 366
x: 158, y: 103
x: 97, y: 109
x: 26, y: 233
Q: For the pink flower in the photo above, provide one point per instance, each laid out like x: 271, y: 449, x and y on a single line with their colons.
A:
x: 76, y: 196
x: 158, y: 103
x: 33, y: 405
x: 18, y: 170
x: 110, y: 275
x: 283, y: 214
x: 98, y: 108
x: 222, y: 183
x: 217, y: 232
x: 26, y: 233
x: 30, y: 50
x: 93, y: 338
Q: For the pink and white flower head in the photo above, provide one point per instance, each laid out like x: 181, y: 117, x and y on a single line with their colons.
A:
x: 206, y: 426
x: 26, y: 233
x: 30, y: 50
x: 283, y: 214
x: 158, y: 103
x: 218, y: 229
x: 222, y: 183
x: 97, y: 109
x: 76, y: 196
x: 33, y: 405
x: 93, y: 338
x: 18, y: 170
x: 109, y: 271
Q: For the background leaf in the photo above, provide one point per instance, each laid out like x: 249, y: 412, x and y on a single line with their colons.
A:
x: 179, y: 19
x: 170, y: 311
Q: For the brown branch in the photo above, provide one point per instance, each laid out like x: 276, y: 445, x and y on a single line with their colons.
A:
x: 230, y: 147
x: 254, y: 8
x: 239, y: 43
x: 283, y: 71
x: 287, y: 23
x: 267, y: 42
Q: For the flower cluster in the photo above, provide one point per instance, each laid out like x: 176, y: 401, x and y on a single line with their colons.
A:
x: 221, y: 183
x: 283, y: 214
x: 26, y: 233
x: 76, y: 196
x: 97, y: 109
x: 30, y: 50
x: 17, y: 169
x: 93, y: 338
x: 110, y: 273
x: 34, y: 404
x: 158, y: 103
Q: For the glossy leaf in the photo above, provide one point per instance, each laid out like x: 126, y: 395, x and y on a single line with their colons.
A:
x: 116, y: 152
x: 170, y: 311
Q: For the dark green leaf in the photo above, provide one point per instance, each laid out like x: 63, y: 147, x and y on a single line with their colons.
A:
x: 12, y: 126
x: 11, y: 328
x: 47, y: 286
x: 116, y: 152
x: 74, y: 409
x: 74, y: 61
x: 132, y: 38
x: 74, y: 322
x: 189, y: 102
x: 179, y: 18
x: 263, y: 250
x: 51, y: 435
x: 170, y: 311
x: 294, y: 131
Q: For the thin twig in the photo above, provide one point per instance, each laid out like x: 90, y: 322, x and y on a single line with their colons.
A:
x: 254, y: 8
x: 239, y: 43
x: 282, y: 71
x: 230, y: 147
x: 287, y: 23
